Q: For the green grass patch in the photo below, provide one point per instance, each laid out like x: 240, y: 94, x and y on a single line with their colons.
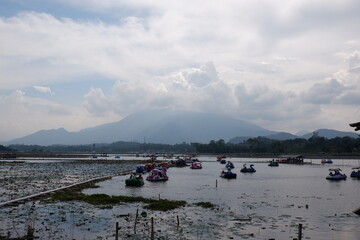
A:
x: 205, y: 204
x: 103, y: 199
x: 165, y: 205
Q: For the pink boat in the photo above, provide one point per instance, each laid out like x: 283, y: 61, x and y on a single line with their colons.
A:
x: 157, y: 175
x: 196, y: 165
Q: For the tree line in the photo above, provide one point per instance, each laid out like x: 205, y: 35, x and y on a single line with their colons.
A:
x: 258, y: 145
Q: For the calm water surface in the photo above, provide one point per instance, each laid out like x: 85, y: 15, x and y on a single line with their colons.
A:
x: 282, y: 196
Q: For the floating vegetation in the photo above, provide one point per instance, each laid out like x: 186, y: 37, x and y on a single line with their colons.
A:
x: 74, y: 194
x: 165, y: 205
x: 205, y: 204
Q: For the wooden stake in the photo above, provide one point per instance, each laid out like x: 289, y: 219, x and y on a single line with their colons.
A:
x: 152, y: 228
x: 136, y: 217
x: 216, y: 183
x: 117, y: 231
x: 178, y: 221
x: 300, y: 231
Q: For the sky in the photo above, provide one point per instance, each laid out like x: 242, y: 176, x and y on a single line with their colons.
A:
x: 284, y: 65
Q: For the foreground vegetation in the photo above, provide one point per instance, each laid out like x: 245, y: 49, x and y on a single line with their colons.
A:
x: 103, y: 200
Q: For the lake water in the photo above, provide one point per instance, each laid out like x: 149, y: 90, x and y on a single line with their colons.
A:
x: 276, y: 198
x: 270, y: 203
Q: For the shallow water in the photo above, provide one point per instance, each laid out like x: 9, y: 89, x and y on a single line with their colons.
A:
x: 267, y: 204
x: 276, y: 198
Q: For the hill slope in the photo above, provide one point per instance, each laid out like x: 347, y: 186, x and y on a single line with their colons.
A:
x: 165, y: 126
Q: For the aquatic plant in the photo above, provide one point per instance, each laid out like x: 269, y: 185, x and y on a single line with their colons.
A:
x: 205, y: 204
x: 103, y: 199
x: 165, y: 205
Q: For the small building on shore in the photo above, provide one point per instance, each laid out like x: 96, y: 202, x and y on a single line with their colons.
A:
x: 291, y: 159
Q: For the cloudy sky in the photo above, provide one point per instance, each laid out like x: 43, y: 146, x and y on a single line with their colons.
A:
x: 284, y: 65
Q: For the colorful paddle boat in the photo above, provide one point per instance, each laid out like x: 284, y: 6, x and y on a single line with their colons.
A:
x: 326, y: 161
x: 354, y: 173
x: 196, y: 165
x: 248, y: 170
x: 157, y: 175
x: 273, y: 163
x: 135, y: 180
x: 229, y: 165
x: 226, y: 173
x: 336, y: 175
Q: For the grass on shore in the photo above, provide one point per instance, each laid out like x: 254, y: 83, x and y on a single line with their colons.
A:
x: 74, y: 194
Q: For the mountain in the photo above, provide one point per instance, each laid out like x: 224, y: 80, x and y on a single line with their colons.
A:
x: 282, y: 136
x: 329, y: 133
x: 160, y: 126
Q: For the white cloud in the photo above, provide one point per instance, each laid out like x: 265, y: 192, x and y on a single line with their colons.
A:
x: 96, y: 102
x: 324, y: 93
x: 43, y: 89
x: 267, y: 62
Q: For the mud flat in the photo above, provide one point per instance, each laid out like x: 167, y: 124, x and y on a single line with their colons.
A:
x: 21, y: 179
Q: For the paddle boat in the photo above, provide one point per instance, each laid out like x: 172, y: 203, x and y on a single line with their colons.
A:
x: 246, y: 169
x: 157, y: 175
x: 336, y: 175
x: 229, y: 165
x: 226, y: 173
x: 180, y: 163
x: 354, y: 173
x: 273, y: 163
x: 223, y: 161
x: 135, y: 180
x: 140, y: 169
x: 326, y: 161
x: 196, y: 165
x: 149, y: 166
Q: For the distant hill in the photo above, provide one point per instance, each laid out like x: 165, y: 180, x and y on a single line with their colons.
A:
x: 237, y: 140
x: 275, y: 136
x: 161, y: 126
x: 329, y: 133
x: 282, y: 136
x: 167, y: 127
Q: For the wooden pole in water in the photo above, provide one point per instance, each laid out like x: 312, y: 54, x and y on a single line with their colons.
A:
x: 152, y: 228
x: 117, y: 231
x: 300, y: 231
x: 216, y: 183
x: 136, y: 217
x: 178, y: 221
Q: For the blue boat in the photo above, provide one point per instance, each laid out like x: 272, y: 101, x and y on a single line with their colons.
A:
x: 248, y: 170
x: 354, y: 173
x: 229, y: 165
x: 336, y: 175
x: 226, y: 173
x: 140, y: 169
